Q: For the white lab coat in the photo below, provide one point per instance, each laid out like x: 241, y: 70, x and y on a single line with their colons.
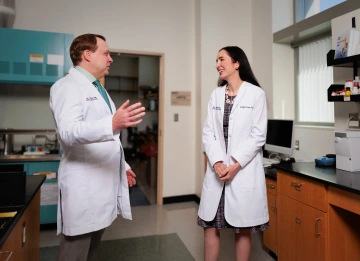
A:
x: 245, y: 195
x: 92, y: 180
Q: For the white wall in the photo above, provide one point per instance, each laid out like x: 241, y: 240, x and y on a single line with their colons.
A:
x: 282, y: 14
x: 158, y: 26
x: 262, y: 48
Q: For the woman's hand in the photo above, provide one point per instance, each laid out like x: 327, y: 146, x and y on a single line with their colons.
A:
x: 230, y: 172
x: 220, y: 168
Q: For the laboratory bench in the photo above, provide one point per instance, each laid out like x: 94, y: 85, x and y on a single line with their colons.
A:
x: 314, y: 212
x: 38, y: 164
x: 20, y: 235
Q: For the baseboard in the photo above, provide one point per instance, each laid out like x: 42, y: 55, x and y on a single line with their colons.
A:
x: 179, y: 199
x: 273, y: 255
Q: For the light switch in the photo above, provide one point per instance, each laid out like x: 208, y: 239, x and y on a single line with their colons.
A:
x: 176, y: 117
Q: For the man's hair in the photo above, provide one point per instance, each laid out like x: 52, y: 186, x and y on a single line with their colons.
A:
x: 82, y: 43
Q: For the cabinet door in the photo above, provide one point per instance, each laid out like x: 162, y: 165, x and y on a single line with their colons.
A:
x: 302, y: 231
x: 270, y: 235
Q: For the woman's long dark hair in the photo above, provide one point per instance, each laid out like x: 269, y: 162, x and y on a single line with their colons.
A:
x: 245, y: 72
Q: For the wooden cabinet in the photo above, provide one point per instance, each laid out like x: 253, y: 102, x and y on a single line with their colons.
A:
x: 270, y: 235
x: 24, y: 240
x: 344, y: 229
x: 302, y: 219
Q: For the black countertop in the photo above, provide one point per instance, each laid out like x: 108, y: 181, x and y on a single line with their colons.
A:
x: 29, y: 158
x: 349, y: 181
x: 33, y: 184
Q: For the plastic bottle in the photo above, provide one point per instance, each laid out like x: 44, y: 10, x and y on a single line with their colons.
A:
x: 347, y: 92
x: 355, y: 88
x: 348, y: 87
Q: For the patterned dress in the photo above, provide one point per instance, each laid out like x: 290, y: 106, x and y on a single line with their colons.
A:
x: 219, y: 222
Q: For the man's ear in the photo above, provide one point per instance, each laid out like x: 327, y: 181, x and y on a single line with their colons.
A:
x: 86, y: 55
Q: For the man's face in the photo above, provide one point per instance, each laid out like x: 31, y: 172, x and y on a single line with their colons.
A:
x: 100, y: 59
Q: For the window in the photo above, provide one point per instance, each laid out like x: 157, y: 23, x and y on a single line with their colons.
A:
x: 313, y: 80
x: 307, y: 8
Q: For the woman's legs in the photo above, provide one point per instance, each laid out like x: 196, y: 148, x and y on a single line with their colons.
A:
x: 211, y: 244
x: 243, y: 245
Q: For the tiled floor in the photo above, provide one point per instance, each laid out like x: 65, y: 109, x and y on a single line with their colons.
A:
x: 180, y: 218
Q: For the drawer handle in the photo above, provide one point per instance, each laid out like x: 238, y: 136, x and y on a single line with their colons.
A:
x: 272, y: 186
x: 317, y: 227
x: 296, y: 185
x: 298, y: 221
x: 7, y: 252
x: 273, y: 209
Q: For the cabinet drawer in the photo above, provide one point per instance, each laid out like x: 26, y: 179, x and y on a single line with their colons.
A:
x: 304, y: 190
x: 271, y: 186
x: 302, y: 231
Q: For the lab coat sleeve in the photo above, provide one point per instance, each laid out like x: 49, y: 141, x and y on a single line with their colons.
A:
x: 210, y: 139
x: 68, y: 104
x: 253, y: 144
x: 127, y: 166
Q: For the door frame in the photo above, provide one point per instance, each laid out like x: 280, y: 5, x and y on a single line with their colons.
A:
x: 159, y: 194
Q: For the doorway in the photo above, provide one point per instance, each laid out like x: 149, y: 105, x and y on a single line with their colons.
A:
x: 138, y: 76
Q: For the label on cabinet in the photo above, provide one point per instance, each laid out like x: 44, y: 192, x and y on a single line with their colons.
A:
x: 36, y: 58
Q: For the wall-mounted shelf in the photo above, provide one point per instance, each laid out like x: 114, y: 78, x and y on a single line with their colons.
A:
x: 346, y: 62
x: 122, y: 76
x: 338, y: 87
x: 349, y: 62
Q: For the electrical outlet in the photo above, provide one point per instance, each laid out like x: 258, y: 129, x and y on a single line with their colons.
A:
x: 354, y: 116
x: 297, y: 145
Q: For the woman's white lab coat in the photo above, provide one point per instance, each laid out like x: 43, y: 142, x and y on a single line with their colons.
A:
x: 93, y: 187
x: 245, y: 195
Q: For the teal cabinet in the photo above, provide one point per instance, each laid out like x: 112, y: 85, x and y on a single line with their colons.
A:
x: 33, y: 57
x: 48, y: 212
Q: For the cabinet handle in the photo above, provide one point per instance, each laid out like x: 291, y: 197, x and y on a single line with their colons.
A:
x: 272, y: 186
x: 296, y: 185
x: 298, y: 221
x: 273, y: 209
x: 7, y: 252
x: 317, y: 227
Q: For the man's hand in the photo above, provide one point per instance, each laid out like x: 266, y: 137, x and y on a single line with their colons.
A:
x: 230, y: 172
x: 220, y: 168
x: 127, y: 116
x: 131, y: 177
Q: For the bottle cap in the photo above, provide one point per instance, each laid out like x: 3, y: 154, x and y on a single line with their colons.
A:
x: 348, y: 84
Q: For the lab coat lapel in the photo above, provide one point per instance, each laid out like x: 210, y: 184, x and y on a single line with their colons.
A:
x: 221, y: 99
x: 239, y: 96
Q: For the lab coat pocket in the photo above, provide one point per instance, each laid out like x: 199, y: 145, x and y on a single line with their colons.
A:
x: 242, y: 117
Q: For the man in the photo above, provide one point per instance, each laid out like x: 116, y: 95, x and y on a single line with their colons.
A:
x: 93, y: 181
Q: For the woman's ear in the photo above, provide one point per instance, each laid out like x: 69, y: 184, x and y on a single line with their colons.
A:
x: 237, y: 65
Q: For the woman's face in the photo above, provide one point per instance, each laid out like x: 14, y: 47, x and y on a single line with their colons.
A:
x: 225, y: 65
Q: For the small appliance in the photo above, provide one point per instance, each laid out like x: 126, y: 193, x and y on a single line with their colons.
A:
x: 347, y: 150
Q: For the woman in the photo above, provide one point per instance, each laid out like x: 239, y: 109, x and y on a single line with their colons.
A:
x: 234, y: 191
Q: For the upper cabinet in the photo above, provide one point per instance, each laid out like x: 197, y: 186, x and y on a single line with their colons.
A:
x: 33, y: 57
x: 347, y: 62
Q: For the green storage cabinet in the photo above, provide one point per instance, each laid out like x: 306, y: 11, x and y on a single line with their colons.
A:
x: 33, y: 57
x: 48, y: 213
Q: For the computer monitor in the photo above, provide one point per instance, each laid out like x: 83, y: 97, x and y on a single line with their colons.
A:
x: 279, y: 136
